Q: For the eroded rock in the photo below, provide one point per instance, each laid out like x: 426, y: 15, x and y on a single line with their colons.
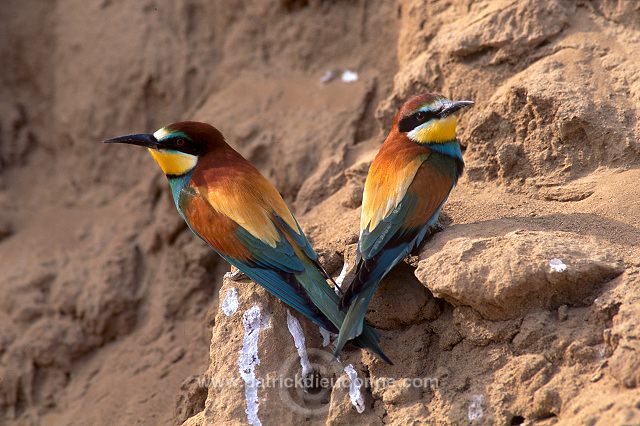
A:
x: 625, y: 361
x: 505, y: 277
x: 254, y: 362
x: 511, y: 26
x: 401, y: 300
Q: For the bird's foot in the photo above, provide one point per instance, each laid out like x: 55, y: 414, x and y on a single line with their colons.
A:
x: 434, y: 229
x: 235, y: 275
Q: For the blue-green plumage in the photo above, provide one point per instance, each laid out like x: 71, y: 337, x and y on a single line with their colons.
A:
x: 177, y: 184
x: 228, y: 204
x: 290, y: 271
x: 414, y: 172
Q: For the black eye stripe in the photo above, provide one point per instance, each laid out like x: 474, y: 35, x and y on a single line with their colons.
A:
x: 182, y: 144
x: 412, y: 121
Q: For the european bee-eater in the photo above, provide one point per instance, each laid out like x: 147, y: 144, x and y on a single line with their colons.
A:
x: 409, y: 180
x: 227, y: 203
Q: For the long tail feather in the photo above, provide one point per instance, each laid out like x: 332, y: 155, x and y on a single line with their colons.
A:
x: 327, y: 301
x: 353, y: 323
x: 369, y: 339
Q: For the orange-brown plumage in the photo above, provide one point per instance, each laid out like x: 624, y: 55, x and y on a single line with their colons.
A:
x: 215, y: 228
x: 413, y: 104
x: 236, y: 190
x: 402, y: 172
x: 430, y: 187
x: 390, y: 175
x: 230, y: 205
x: 409, y: 180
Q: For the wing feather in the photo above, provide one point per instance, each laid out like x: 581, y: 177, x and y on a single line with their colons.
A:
x: 272, y: 262
x: 383, y: 246
x: 238, y: 191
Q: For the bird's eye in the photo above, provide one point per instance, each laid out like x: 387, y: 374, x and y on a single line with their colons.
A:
x: 180, y: 142
x: 420, y: 116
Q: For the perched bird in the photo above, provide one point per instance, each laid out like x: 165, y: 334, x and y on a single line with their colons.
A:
x: 409, y: 180
x: 227, y: 203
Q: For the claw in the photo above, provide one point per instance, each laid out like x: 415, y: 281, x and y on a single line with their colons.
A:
x: 235, y: 275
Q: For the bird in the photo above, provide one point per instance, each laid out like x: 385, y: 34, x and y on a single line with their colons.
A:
x: 229, y: 204
x: 408, y: 181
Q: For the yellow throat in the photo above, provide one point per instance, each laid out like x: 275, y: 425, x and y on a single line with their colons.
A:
x: 437, y: 131
x: 174, y: 163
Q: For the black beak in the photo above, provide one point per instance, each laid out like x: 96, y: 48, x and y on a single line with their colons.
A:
x: 454, y: 106
x: 146, y: 140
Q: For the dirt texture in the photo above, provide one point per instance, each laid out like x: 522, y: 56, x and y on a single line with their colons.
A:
x: 523, y: 309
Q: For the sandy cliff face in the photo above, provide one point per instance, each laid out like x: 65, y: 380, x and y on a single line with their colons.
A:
x: 523, y: 309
